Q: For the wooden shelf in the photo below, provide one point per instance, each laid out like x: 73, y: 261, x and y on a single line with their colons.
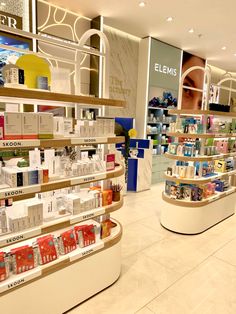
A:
x: 58, y: 224
x: 199, y: 181
x: 17, y: 281
x: 201, y: 112
x: 204, y: 202
x: 187, y: 135
x: 20, y: 193
x: 57, y: 97
x: 59, y: 142
x: 199, y: 158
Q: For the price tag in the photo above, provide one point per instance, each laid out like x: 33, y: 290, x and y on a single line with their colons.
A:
x: 11, y: 192
x: 19, y: 143
x: 18, y: 280
x: 89, y: 140
x: 86, y: 251
x: 11, y: 239
x: 87, y: 179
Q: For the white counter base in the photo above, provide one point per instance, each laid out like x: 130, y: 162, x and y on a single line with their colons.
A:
x: 193, y: 220
x: 64, y: 289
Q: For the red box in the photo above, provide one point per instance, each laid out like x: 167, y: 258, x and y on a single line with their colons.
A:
x: 23, y: 259
x: 107, y: 197
x: 4, y: 266
x: 67, y: 242
x: 85, y: 235
x: 48, y: 250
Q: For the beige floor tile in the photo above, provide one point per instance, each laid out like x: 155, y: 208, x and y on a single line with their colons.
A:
x: 209, y: 289
x: 228, y: 253
x: 153, y: 222
x: 144, y: 310
x: 137, y: 237
x: 142, y: 280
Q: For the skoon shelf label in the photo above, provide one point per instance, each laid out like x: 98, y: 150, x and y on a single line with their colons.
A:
x: 87, y: 215
x: 19, y: 280
x: 11, y: 192
x: 19, y: 143
x: 88, y: 178
x: 11, y: 239
x: 86, y: 251
x: 89, y: 140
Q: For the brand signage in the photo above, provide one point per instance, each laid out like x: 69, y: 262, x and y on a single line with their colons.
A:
x: 10, y: 20
x: 165, y: 61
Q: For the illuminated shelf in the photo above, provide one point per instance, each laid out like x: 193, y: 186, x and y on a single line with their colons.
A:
x: 204, y: 202
x: 58, y: 97
x: 208, y: 135
x: 24, y: 192
x: 17, y: 281
x: 200, y: 180
x: 59, y: 142
x: 199, y: 158
x: 201, y: 112
x: 57, y: 224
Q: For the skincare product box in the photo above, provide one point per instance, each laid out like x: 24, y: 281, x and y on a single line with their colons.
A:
x: 1, y: 127
x: 58, y: 126
x: 29, y: 125
x: 42, y: 82
x: 12, y: 125
x: 45, y: 125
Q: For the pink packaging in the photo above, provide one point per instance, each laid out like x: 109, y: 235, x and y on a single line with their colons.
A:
x: 1, y: 127
x: 222, y: 147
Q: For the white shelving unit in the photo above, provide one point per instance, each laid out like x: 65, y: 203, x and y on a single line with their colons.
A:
x: 192, y: 217
x: 60, y: 285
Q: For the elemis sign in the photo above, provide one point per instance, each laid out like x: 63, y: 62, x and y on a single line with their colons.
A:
x: 164, y: 68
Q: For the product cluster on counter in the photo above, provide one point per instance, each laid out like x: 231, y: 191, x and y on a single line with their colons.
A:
x: 17, y: 259
x: 203, y: 124
x: 29, y: 125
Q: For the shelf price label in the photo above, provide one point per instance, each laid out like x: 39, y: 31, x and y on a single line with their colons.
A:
x: 86, y: 251
x: 19, y: 280
x: 11, y: 192
x: 19, y: 143
x: 89, y: 140
x: 87, y: 179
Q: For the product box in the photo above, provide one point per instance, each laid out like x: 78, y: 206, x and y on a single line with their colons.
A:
x: 58, y: 126
x: 42, y: 82
x: 106, y: 228
x: 12, y: 125
x: 106, y: 197
x: 23, y: 259
x: 45, y: 125
x: 48, y: 250
x: 29, y: 125
x: 1, y: 127
x: 4, y: 266
x: 85, y: 235
x: 110, y: 162
x: 68, y: 126
x: 67, y: 242
x: 73, y: 203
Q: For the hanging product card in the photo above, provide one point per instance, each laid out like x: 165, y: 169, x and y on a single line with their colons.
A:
x: 34, y: 158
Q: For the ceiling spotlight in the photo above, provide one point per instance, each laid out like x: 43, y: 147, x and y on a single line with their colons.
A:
x: 191, y: 30
x: 223, y: 48
x: 169, y: 19
x: 235, y: 54
x: 3, y: 4
x: 142, y: 4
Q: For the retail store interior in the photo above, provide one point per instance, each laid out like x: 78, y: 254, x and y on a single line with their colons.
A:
x: 117, y: 157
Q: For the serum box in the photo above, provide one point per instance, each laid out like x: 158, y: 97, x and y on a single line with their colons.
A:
x: 12, y: 125
x: 29, y: 125
x: 45, y: 125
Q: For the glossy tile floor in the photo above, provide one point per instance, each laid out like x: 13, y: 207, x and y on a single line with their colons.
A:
x: 167, y: 273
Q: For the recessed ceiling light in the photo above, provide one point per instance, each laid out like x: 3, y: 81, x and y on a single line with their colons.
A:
x: 142, y: 4
x: 235, y: 54
x: 191, y: 30
x: 169, y: 19
x: 223, y: 48
x: 3, y: 3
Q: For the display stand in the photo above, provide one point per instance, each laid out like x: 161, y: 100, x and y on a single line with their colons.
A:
x: 64, y: 283
x: 193, y: 217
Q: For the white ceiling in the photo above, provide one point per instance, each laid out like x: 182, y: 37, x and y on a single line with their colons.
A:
x: 213, y: 19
